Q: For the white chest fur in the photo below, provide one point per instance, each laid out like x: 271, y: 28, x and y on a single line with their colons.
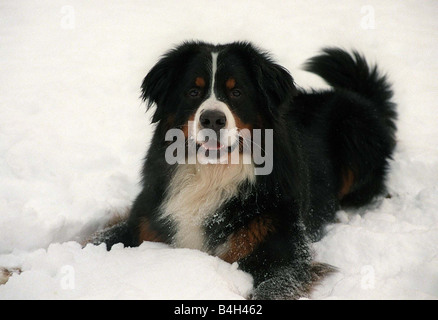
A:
x: 195, y: 193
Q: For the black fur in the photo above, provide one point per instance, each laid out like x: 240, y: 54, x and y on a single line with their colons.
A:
x: 323, y: 141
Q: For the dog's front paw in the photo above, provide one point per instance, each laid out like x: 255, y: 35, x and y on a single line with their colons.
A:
x: 277, y: 288
x: 288, y: 284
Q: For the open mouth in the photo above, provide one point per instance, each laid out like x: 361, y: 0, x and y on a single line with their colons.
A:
x: 211, y: 146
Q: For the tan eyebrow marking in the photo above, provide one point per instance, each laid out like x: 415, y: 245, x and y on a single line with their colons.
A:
x: 231, y: 83
x: 200, y: 82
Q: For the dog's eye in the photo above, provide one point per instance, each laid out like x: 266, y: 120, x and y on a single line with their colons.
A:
x: 194, y: 93
x: 236, y: 93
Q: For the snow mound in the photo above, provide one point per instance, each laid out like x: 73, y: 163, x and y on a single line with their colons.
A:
x: 151, y: 271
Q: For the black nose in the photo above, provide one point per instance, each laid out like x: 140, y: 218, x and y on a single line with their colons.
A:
x: 213, y: 119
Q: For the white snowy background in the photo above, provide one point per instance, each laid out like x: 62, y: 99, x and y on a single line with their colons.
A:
x: 73, y: 133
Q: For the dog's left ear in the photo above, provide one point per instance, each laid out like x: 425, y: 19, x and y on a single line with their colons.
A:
x: 276, y: 83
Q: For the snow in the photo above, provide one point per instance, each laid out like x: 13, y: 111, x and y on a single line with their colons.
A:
x: 73, y: 133
x: 66, y: 271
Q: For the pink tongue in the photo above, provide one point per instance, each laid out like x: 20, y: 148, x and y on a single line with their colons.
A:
x: 212, y: 145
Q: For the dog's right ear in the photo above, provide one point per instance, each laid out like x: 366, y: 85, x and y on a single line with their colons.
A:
x: 163, y: 77
x: 156, y: 85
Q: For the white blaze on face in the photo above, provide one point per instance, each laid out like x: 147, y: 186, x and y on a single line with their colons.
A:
x: 213, y: 70
x: 214, y: 104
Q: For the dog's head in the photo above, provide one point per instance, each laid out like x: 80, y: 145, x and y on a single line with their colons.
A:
x: 218, y: 91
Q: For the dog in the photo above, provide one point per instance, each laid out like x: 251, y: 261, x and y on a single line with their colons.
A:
x: 289, y: 158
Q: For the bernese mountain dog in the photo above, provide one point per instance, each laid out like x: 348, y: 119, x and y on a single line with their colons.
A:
x: 261, y: 193
x: 317, y: 151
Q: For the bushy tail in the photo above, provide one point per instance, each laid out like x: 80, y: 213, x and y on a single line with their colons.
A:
x: 351, y: 71
x: 362, y: 123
